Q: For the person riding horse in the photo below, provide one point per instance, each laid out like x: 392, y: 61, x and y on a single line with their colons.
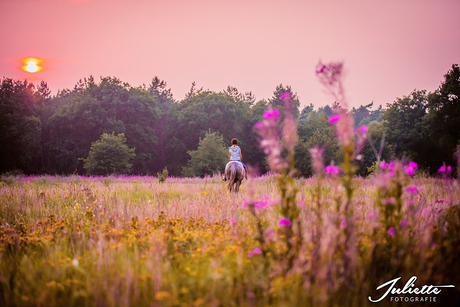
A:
x: 234, y: 154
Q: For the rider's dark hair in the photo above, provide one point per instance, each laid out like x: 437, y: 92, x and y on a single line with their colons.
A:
x: 234, y: 142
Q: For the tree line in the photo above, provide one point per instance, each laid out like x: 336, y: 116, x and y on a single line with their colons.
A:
x: 65, y: 133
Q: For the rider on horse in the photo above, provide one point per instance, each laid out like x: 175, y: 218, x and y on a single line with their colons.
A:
x: 234, y: 154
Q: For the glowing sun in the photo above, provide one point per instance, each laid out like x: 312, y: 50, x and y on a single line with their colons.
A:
x: 32, y: 65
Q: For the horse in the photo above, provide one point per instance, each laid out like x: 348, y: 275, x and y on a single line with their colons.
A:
x: 235, y: 173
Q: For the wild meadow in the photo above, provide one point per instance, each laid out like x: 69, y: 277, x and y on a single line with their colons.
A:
x: 125, y: 241
x: 330, y: 239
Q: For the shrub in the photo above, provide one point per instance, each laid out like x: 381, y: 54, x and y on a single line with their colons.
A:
x: 109, y: 155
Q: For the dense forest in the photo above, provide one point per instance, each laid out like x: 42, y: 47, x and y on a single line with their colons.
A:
x: 40, y: 133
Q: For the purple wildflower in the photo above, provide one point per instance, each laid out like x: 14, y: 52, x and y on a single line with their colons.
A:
x: 391, y: 231
x: 331, y: 169
x: 285, y: 96
x: 413, y: 164
x: 343, y: 223
x: 412, y: 189
x: 272, y: 113
x: 363, y: 129
x: 255, y: 251
x: 284, y: 222
x: 270, y: 143
x: 403, y: 223
x: 410, y: 168
x: 334, y: 119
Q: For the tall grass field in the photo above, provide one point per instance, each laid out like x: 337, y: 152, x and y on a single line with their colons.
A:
x: 133, y: 241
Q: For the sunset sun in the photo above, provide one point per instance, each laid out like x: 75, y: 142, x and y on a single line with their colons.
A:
x: 32, y: 65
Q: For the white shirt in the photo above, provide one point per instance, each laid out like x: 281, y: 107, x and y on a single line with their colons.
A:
x: 234, y: 153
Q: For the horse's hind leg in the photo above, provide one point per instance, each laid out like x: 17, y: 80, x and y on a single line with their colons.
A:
x: 237, y: 186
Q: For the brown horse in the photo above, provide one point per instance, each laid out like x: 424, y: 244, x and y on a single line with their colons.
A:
x: 235, y: 173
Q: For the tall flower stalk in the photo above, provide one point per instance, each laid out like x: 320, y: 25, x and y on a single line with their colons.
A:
x: 352, y: 142
x: 274, y: 143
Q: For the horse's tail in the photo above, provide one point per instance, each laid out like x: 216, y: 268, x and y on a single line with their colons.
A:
x: 231, y: 176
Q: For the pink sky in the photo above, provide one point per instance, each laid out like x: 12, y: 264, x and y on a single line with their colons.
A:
x: 389, y: 47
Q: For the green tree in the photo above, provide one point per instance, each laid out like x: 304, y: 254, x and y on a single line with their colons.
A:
x: 91, y: 109
x: 20, y: 125
x: 204, y: 111
x: 277, y: 103
x: 210, y: 156
x: 406, y: 129
x: 316, y: 130
x: 109, y: 155
x: 443, y: 118
x: 164, y: 125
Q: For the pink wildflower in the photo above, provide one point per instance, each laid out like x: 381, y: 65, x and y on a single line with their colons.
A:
x: 284, y: 222
x: 331, y: 169
x: 403, y: 223
x: 270, y: 143
x: 391, y: 231
x: 272, y: 113
x: 334, y: 119
x: 301, y: 204
x: 285, y: 96
x: 363, y: 129
x: 410, y: 168
x: 255, y: 251
x: 383, y: 165
x: 440, y: 210
x: 343, y: 223
x: 445, y: 169
x: 412, y: 189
